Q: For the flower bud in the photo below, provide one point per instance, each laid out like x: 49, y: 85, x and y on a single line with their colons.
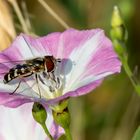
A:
x: 116, y: 18
x: 118, y: 31
x: 39, y: 113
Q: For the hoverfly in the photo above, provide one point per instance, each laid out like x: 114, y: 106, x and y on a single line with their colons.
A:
x: 45, y: 65
x: 38, y: 66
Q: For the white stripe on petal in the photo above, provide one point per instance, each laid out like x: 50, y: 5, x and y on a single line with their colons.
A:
x: 25, y: 50
x: 90, y: 79
x: 81, y: 56
x: 60, y: 47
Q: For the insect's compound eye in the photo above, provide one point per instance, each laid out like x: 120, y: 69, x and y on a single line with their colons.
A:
x: 49, y: 57
x: 49, y: 63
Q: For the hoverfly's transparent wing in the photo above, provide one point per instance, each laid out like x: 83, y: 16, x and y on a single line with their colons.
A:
x: 6, y: 64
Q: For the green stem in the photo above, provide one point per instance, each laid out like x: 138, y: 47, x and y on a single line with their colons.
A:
x: 119, y: 35
x: 130, y: 74
x: 47, y: 131
x: 68, y: 134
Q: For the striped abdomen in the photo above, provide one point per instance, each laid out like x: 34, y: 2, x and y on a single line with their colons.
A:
x: 18, y: 71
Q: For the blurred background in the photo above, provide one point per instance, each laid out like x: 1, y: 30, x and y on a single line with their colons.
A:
x: 112, y: 111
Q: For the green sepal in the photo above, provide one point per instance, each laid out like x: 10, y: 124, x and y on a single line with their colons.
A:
x: 62, y: 118
x: 118, y: 48
x: 63, y: 137
x: 60, y: 106
x: 118, y: 33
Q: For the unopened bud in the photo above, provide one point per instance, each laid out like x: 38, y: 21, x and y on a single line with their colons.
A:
x: 118, y: 30
x: 116, y: 18
x: 39, y: 113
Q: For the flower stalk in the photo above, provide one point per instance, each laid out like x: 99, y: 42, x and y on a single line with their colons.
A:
x: 68, y: 134
x: 40, y: 115
x: 46, y: 131
x: 119, y: 36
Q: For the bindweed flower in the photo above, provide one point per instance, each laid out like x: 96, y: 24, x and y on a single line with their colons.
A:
x: 18, y: 124
x: 48, y: 70
x: 80, y: 61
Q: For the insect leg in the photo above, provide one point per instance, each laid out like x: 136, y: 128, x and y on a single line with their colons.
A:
x: 15, y: 89
x: 36, y: 77
x: 48, y: 81
x: 55, y: 79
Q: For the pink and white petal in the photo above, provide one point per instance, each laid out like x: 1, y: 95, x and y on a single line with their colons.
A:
x: 13, y: 101
x: 97, y: 60
x: 101, y: 71
x: 104, y: 55
x: 47, y: 45
x: 93, y: 60
x: 23, y: 94
x: 17, y: 53
x: 80, y: 56
x: 39, y: 46
x: 78, y: 92
x: 19, y: 50
x: 20, y: 97
x: 56, y: 131
x: 18, y: 124
x: 60, y: 45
